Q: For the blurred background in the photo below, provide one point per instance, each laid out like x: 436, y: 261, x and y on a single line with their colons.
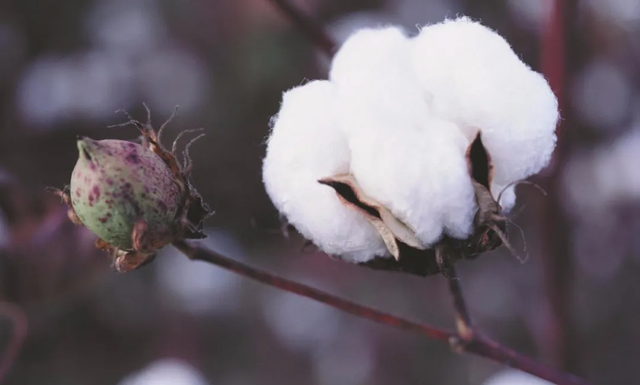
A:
x: 67, y: 66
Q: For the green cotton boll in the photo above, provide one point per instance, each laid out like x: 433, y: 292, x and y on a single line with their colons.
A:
x: 116, y: 183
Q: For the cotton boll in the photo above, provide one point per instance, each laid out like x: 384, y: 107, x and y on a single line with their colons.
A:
x: 306, y: 145
x: 475, y: 80
x: 399, y: 115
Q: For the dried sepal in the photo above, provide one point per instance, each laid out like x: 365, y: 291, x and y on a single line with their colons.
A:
x: 390, y: 228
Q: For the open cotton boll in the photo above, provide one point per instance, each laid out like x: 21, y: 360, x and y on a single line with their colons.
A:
x: 474, y: 79
x: 306, y: 145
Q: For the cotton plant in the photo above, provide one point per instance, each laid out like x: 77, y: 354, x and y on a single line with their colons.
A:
x: 411, y: 144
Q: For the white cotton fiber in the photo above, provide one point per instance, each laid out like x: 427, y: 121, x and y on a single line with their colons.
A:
x: 419, y: 174
x: 475, y: 80
x: 306, y: 145
x: 376, y: 84
x: 374, y: 64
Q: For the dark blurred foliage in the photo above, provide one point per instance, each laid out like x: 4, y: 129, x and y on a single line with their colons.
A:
x: 66, y: 66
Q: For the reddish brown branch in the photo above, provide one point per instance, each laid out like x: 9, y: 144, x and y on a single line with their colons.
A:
x: 196, y: 252
x: 19, y: 321
x: 477, y: 344
x: 308, y: 26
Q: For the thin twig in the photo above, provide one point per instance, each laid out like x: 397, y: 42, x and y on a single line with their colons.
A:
x: 477, y: 345
x: 308, y: 26
x: 19, y: 322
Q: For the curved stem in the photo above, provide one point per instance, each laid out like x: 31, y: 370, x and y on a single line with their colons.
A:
x: 308, y: 26
x: 477, y: 344
x: 19, y: 322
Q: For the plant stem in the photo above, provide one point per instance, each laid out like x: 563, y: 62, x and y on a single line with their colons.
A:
x: 475, y: 343
x: 307, y: 26
x: 471, y: 340
x: 19, y: 321
x: 464, y: 325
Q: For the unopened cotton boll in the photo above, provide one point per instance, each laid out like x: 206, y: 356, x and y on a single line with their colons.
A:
x: 305, y: 146
x: 475, y: 80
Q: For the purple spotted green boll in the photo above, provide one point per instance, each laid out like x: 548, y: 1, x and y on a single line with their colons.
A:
x: 136, y: 198
x: 116, y: 183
